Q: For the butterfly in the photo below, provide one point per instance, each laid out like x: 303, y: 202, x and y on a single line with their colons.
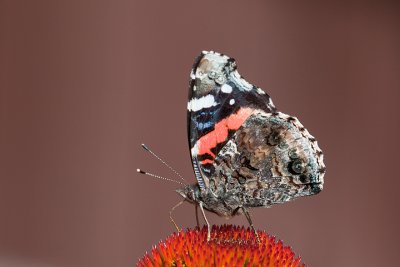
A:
x: 244, y: 152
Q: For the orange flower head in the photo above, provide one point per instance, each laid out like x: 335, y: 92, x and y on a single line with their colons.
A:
x: 229, y: 246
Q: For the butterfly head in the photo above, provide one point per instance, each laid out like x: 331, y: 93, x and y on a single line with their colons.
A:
x: 191, y: 193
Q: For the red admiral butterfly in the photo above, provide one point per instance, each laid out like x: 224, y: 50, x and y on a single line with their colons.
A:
x: 244, y: 152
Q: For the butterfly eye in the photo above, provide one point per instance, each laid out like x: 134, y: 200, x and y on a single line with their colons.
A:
x: 297, y: 166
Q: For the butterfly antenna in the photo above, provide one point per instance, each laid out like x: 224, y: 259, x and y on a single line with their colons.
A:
x: 159, y: 177
x: 163, y: 162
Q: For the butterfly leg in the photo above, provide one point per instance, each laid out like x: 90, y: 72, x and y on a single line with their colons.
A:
x: 248, y: 217
x: 170, y: 215
x: 205, y: 218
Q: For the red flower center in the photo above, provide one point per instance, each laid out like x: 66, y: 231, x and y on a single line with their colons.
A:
x: 229, y: 246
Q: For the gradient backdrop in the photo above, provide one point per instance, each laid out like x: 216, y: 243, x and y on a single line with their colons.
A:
x: 84, y: 83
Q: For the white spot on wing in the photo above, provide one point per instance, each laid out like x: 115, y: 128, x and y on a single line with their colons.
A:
x: 232, y: 101
x: 226, y: 88
x: 196, y: 104
x: 194, y: 150
x: 260, y: 91
x: 230, y: 149
x: 270, y: 103
x: 243, y: 84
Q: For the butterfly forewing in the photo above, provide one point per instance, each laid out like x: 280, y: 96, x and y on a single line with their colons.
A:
x: 220, y: 101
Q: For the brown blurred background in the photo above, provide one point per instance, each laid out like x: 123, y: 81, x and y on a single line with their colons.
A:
x: 84, y: 83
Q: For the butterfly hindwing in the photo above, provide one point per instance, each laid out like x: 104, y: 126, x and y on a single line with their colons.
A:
x: 220, y: 101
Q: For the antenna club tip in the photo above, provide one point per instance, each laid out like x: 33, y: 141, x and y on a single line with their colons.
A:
x: 140, y: 171
x: 145, y: 147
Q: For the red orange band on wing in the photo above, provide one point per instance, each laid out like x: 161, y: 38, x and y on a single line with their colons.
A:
x: 206, y: 161
x: 220, y: 132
